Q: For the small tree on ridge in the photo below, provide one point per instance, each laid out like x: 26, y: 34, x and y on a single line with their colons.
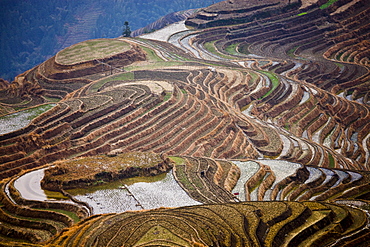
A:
x: 126, y: 30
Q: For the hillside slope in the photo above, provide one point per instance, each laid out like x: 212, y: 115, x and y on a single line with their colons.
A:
x: 259, y: 109
x: 164, y: 21
x: 33, y: 31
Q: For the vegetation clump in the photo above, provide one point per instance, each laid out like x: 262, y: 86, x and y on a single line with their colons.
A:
x: 99, y: 169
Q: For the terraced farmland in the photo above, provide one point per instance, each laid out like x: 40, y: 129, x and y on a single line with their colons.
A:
x: 236, y: 224
x: 90, y: 50
x: 260, y: 109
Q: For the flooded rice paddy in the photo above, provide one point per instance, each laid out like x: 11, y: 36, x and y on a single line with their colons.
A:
x: 247, y: 170
x: 164, y: 34
x: 29, y: 186
x: 280, y: 168
x: 135, y: 194
x: 128, y: 194
x: 21, y: 119
x: 150, y: 192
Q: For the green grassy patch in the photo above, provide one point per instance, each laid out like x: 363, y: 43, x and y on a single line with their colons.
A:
x: 183, y: 179
x: 90, y: 171
x: 274, y: 80
x: 338, y: 56
x: 159, y: 234
x: 152, y: 56
x: 34, y: 112
x: 254, y: 76
x: 209, y: 46
x: 331, y: 161
x: 55, y: 195
x: 72, y: 215
x: 303, y: 13
x: 243, y: 48
x: 177, y: 160
x: 327, y: 4
x: 167, y: 96
x: 291, y: 51
x: 339, y: 65
x: 231, y: 49
x: 119, y: 77
x: 50, y: 99
x: 90, y: 50
x: 30, y: 113
x: 245, y: 107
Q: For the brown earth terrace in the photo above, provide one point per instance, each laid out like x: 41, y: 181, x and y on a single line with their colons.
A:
x: 242, y: 81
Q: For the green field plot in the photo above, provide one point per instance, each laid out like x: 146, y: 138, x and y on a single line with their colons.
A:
x: 209, y: 46
x: 90, y: 50
x: 119, y: 77
x: 232, y: 49
x: 327, y: 4
x: 274, y: 80
x: 152, y: 56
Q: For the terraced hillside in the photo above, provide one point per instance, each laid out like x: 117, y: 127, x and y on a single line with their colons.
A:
x: 260, y: 109
x: 236, y: 224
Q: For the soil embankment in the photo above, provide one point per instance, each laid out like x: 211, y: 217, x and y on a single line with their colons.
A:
x: 100, y: 169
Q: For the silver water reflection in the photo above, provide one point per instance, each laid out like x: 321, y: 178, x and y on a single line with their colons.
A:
x: 29, y: 186
x: 21, y: 119
x: 165, y: 192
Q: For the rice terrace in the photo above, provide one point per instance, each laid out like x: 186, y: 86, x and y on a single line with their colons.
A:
x: 246, y: 124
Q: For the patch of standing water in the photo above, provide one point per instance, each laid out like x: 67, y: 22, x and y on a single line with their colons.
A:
x: 305, y: 98
x: 254, y: 55
x: 165, y: 33
x: 314, y: 174
x: 247, y: 112
x: 342, y: 176
x: 175, y: 38
x: 296, y: 66
x: 163, y: 193
x: 281, y: 169
x: 186, y: 43
x: 354, y: 176
x: 138, y: 193
x: 247, y: 63
x: 247, y: 170
x: 21, y: 119
x: 329, y: 175
x: 28, y: 185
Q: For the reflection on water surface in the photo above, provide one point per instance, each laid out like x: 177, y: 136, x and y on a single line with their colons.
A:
x: 143, y: 193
